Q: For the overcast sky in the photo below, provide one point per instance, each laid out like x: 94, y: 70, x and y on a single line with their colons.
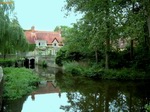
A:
x: 43, y: 14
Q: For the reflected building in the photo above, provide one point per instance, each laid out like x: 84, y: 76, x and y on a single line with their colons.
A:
x: 46, y: 87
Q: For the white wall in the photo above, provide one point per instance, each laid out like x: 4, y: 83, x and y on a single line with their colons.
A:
x: 55, y: 43
x: 40, y: 43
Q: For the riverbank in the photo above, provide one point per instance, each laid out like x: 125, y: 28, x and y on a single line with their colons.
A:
x: 97, y: 72
x: 18, y: 82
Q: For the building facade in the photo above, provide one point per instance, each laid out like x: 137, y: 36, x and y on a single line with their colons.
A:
x: 47, y: 42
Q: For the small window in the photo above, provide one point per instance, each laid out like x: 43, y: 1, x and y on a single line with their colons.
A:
x: 39, y: 43
x: 54, y: 44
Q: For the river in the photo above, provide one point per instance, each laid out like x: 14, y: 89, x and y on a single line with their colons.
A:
x: 61, y: 93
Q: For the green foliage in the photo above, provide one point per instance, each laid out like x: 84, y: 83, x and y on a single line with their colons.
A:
x: 7, y: 62
x: 60, y: 57
x: 65, y: 31
x: 18, y: 82
x: 103, y: 23
x: 32, y: 47
x: 141, y: 59
x: 147, y: 107
x: 44, y: 64
x: 64, y: 56
x: 96, y: 35
x: 97, y: 72
x: 123, y: 74
x: 73, y: 68
x: 12, y: 38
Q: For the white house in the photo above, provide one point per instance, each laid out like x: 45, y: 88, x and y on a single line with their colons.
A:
x: 47, y: 42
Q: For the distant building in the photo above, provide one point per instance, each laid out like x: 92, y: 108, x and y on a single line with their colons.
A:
x: 47, y: 42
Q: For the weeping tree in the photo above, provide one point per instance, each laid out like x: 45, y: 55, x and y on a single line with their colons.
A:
x: 17, y: 37
x: 5, y: 11
x: 12, y: 38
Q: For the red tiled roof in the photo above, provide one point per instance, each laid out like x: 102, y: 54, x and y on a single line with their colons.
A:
x: 48, y: 88
x: 31, y: 36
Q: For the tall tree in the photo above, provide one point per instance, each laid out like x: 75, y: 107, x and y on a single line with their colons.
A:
x: 100, y: 16
x: 12, y: 37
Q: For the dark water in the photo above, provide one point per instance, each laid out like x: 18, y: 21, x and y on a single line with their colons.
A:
x: 59, y: 93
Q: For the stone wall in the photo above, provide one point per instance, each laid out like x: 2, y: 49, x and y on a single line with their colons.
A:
x: 50, y: 61
x: 1, y: 86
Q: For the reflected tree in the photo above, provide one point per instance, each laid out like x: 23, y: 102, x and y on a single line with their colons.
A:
x: 91, y: 96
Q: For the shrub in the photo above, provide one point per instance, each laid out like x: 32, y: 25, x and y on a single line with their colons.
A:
x: 97, y: 72
x: 60, y: 57
x: 147, y: 107
x: 125, y: 74
x: 7, y: 62
x: 73, y: 68
x: 18, y: 82
x: 44, y: 64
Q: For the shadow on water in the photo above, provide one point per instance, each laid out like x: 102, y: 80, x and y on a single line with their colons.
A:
x: 104, y: 96
x: 78, y: 94
x: 14, y: 106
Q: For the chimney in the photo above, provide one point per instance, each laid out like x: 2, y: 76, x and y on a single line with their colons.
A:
x: 32, y: 28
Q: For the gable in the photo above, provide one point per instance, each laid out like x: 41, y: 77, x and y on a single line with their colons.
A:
x: 55, y: 40
x: 55, y: 43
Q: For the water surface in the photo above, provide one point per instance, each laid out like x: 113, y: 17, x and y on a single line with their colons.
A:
x: 60, y: 93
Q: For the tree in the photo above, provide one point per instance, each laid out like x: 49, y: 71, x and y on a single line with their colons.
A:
x: 101, y: 17
x: 64, y: 30
x: 12, y: 38
x: 104, y: 22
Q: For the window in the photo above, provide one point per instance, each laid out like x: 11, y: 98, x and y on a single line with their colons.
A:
x: 54, y: 44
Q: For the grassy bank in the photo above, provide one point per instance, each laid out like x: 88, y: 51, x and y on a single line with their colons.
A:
x: 18, y: 82
x: 97, y: 72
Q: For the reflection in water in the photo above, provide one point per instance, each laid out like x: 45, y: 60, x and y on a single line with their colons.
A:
x: 45, y: 103
x: 33, y: 96
x: 14, y: 106
x: 77, y: 94
x: 104, y: 96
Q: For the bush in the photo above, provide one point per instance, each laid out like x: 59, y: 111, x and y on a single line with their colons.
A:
x: 18, y: 82
x: 98, y: 72
x: 73, y: 68
x: 147, y: 107
x: 44, y: 64
x: 60, y: 57
x: 7, y: 63
x: 123, y: 74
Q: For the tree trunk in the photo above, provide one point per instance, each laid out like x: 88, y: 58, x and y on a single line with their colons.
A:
x: 96, y: 56
x: 107, y: 53
x: 4, y: 56
x: 107, y: 50
x: 146, y: 35
x: 131, y: 49
x: 148, y: 26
